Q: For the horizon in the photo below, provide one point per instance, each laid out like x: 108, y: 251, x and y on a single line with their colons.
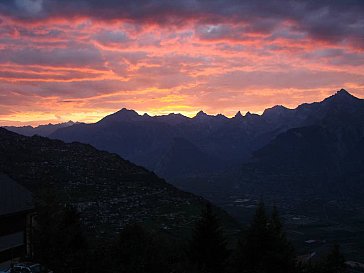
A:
x: 81, y: 60
x: 140, y: 113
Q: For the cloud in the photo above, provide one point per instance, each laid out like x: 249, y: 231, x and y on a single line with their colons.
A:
x: 30, y: 6
x: 82, y: 59
x: 111, y: 37
x: 317, y: 18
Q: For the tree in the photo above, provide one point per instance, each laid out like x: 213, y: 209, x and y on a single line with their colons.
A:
x: 335, y: 261
x: 282, y: 256
x: 45, y: 228
x: 72, y: 245
x: 207, y: 250
x: 58, y: 239
x: 252, y: 246
x: 264, y: 247
x: 138, y: 251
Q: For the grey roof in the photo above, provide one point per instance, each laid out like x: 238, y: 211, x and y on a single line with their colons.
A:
x: 13, y: 197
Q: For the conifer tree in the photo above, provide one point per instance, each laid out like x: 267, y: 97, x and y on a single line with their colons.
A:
x: 282, y: 256
x: 137, y: 251
x: 58, y: 239
x: 44, y: 231
x: 335, y: 261
x: 252, y: 247
x: 72, y: 244
x: 264, y: 248
x: 207, y: 250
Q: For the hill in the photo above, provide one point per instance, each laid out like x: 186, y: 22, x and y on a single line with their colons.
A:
x: 109, y: 191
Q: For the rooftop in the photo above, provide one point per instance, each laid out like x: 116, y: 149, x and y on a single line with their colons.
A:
x: 13, y: 197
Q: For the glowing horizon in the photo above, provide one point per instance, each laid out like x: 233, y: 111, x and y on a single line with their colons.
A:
x: 82, y: 60
x: 98, y: 116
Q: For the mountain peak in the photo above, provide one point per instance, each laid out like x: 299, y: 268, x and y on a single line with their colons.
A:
x: 343, y: 93
x: 127, y: 114
x: 70, y: 122
x: 238, y: 115
x: 122, y: 115
x: 125, y: 110
x: 221, y: 116
x: 342, y: 96
x: 201, y: 114
x: 277, y: 109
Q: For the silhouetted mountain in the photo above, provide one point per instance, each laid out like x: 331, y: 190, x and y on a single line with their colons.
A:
x: 109, y: 191
x: 172, y: 119
x: 184, y: 158
x: 41, y: 130
x: 323, y: 159
x: 124, y: 115
x: 178, y: 147
x: 147, y: 140
x: 238, y: 116
x: 309, y: 160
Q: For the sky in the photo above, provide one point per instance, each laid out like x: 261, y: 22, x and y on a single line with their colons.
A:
x: 80, y: 60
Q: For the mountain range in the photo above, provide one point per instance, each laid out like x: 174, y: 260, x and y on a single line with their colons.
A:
x: 41, y: 130
x: 322, y: 155
x: 317, y: 141
x: 309, y: 161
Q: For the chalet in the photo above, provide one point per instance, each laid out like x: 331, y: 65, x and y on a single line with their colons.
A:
x: 15, y: 219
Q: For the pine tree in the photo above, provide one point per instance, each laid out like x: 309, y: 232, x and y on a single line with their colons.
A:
x: 58, y: 239
x: 71, y: 241
x: 138, y: 251
x: 252, y: 247
x: 207, y: 250
x: 264, y: 248
x: 45, y: 229
x: 282, y: 256
x: 335, y: 261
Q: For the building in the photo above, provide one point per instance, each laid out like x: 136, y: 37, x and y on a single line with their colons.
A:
x: 355, y: 267
x: 15, y: 219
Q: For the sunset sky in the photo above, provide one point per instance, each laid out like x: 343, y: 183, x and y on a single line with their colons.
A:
x: 83, y: 59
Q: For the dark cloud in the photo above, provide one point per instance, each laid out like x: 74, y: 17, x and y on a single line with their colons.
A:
x: 326, y: 19
x: 337, y: 57
x: 112, y: 37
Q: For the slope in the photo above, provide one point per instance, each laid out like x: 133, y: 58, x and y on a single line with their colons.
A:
x: 108, y: 191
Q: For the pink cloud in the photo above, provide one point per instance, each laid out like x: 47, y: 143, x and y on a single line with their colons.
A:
x: 86, y: 66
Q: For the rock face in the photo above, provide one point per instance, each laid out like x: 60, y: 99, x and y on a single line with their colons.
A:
x: 109, y: 191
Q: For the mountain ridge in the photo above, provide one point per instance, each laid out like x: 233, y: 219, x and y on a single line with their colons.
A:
x: 108, y: 191
x: 150, y: 141
x: 125, y: 114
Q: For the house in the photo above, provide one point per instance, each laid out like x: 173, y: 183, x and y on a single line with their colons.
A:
x: 355, y: 267
x: 15, y: 219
